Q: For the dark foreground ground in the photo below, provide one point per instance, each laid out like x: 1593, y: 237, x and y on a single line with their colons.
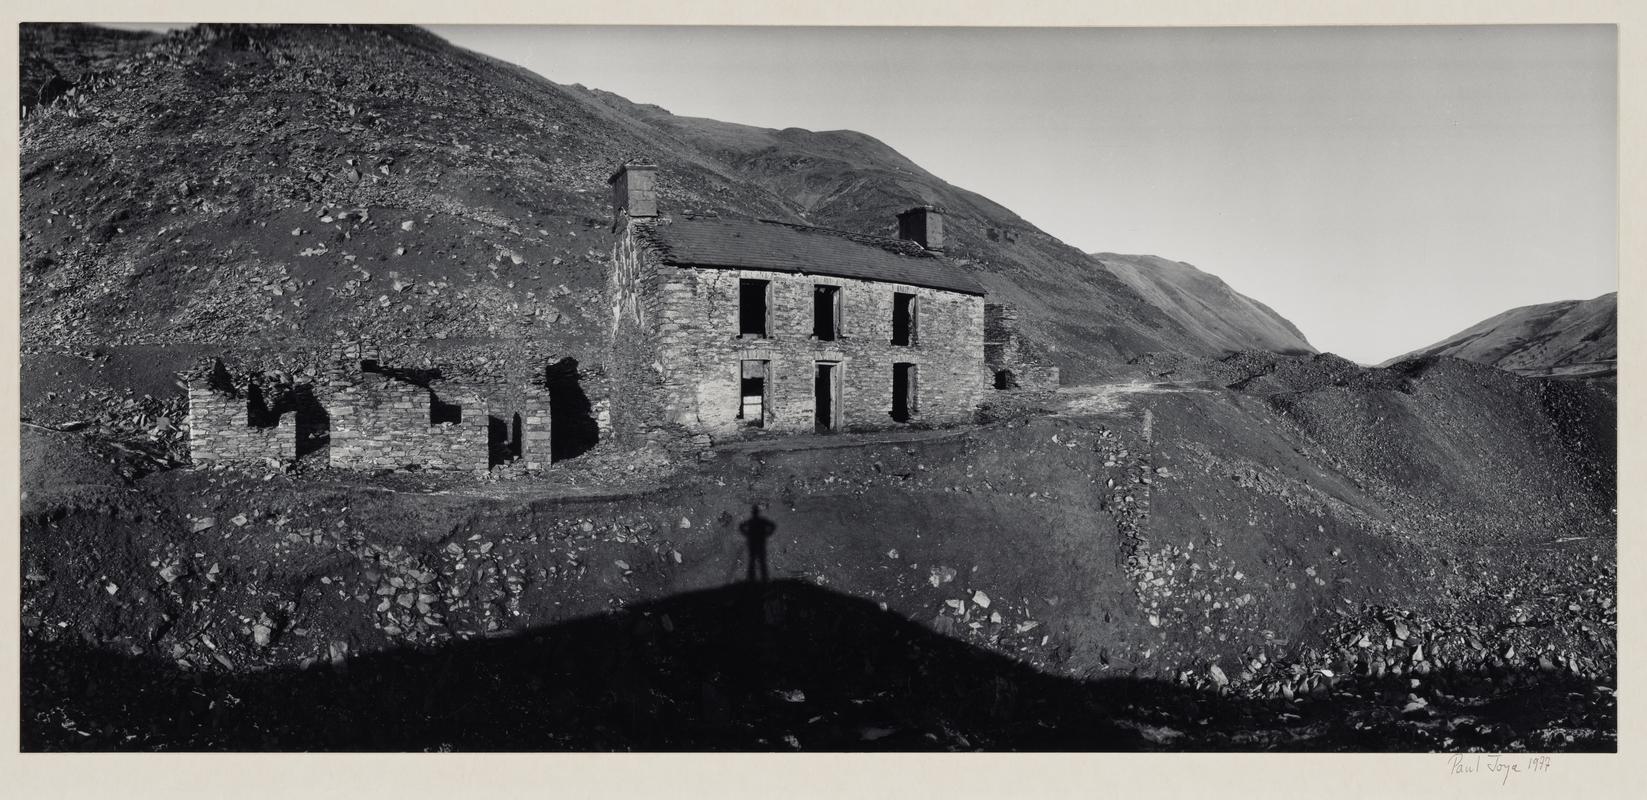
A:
x: 783, y: 665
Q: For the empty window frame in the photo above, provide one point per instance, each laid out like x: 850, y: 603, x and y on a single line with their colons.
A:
x: 754, y: 308
x: 904, y: 384
x: 752, y: 392
x: 905, y: 319
x: 826, y: 312
x: 441, y: 412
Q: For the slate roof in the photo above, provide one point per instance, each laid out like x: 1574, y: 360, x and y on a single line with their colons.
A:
x: 727, y: 243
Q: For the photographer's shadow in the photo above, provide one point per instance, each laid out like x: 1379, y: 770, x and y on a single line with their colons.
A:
x: 756, y: 531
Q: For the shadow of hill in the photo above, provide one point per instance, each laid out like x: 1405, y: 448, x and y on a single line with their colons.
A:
x: 741, y: 667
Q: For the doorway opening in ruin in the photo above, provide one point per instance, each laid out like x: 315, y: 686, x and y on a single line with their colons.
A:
x: 573, y: 430
x: 826, y: 391
x: 826, y: 312
x: 1004, y: 379
x: 314, y: 425
x: 903, y: 392
x: 752, y: 401
x: 903, y: 319
x: 259, y: 412
x: 503, y: 440
x: 753, y: 309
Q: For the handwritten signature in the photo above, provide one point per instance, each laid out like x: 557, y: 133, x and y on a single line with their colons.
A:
x: 1497, y: 766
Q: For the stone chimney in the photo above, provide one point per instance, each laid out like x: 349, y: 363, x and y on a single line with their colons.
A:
x: 923, y: 225
x: 634, y: 191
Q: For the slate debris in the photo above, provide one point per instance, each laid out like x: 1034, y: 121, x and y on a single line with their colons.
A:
x: 470, y: 582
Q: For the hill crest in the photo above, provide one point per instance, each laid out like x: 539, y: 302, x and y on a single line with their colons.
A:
x: 1567, y: 338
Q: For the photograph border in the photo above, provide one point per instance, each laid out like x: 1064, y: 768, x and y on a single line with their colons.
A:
x: 857, y: 775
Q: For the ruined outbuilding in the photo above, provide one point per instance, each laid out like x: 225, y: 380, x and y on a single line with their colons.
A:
x: 366, y: 414
x: 1014, y: 363
x: 233, y: 421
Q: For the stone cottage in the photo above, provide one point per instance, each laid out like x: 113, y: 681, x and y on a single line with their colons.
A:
x: 723, y: 325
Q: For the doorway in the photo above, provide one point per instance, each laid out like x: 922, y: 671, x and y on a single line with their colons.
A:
x: 903, y: 392
x: 826, y: 387
x: 752, y: 401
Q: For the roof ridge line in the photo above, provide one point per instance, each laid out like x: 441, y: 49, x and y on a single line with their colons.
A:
x: 828, y: 229
x: 912, y: 248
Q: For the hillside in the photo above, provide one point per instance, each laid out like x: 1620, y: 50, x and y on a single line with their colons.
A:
x: 1205, y: 305
x: 1570, y: 338
x: 1305, y: 561
x: 282, y: 188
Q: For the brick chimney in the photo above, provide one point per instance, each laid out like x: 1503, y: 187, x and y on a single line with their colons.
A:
x: 634, y: 191
x: 923, y: 225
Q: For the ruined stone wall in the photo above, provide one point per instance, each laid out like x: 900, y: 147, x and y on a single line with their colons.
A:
x: 1012, y: 365
x: 381, y: 417
x: 535, y: 432
x: 507, y: 377
x: 381, y: 422
x: 220, y: 430
x: 685, y: 333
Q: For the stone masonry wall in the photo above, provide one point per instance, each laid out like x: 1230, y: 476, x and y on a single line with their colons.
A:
x: 632, y: 362
x: 385, y: 423
x: 380, y: 419
x: 681, y: 326
x: 220, y: 431
x: 535, y: 430
x: 1004, y: 351
x: 506, y: 375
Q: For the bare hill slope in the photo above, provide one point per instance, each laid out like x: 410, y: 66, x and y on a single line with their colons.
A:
x: 1567, y: 338
x: 1206, y: 305
x: 252, y: 185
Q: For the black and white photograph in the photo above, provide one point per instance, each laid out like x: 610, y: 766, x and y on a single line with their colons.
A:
x: 537, y: 388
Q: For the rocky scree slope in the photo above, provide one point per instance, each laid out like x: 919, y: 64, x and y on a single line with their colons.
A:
x: 58, y: 58
x: 1570, y: 338
x: 252, y: 185
x: 1277, y: 528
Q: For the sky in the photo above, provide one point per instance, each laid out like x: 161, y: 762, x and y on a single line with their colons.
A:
x: 1381, y: 187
